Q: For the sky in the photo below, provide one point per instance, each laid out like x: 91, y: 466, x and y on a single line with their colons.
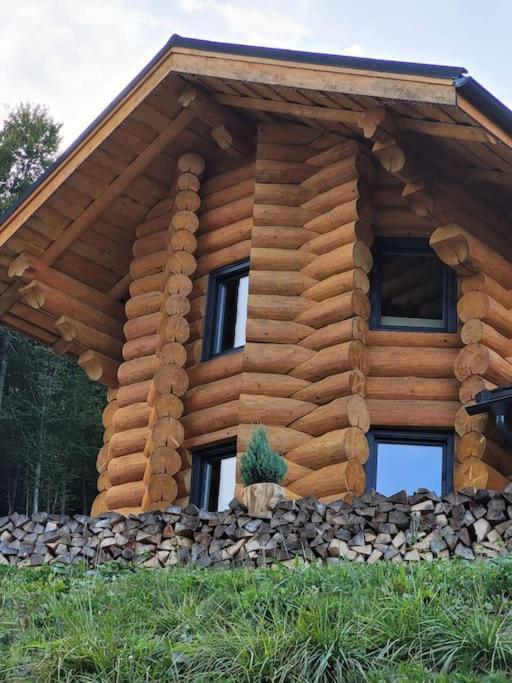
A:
x: 76, y: 56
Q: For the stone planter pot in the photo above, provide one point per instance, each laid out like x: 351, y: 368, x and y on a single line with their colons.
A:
x: 261, y: 499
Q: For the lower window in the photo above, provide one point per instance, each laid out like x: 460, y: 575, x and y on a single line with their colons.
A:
x: 410, y: 459
x: 213, y: 476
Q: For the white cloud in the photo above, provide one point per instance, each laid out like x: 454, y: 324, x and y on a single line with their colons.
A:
x: 72, y: 56
x: 355, y: 50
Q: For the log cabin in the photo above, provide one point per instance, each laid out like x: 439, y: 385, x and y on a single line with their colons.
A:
x: 316, y: 243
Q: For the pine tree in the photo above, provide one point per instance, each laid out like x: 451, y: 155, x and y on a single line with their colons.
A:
x: 260, y: 463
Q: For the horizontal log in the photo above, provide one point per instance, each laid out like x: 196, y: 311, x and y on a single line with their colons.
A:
x: 226, y: 214
x: 410, y: 413
x: 133, y: 393
x: 28, y: 267
x: 274, y: 214
x: 351, y: 355
x: 126, y: 468
x: 201, y: 421
x: 107, y: 416
x: 183, y: 481
x: 479, y: 305
x: 468, y: 255
x: 332, y: 197
x: 358, y: 209
x: 277, y: 358
x: 150, y: 244
x: 340, y: 283
x: 335, y: 309
x: 128, y: 494
x: 280, y: 236
x: 131, y: 417
x: 277, y: 171
x: 476, y: 359
x: 336, y: 446
x: 438, y: 340
x: 420, y: 388
x: 223, y: 257
x: 38, y: 295
x: 348, y: 233
x: 142, y: 327
x: 276, y: 331
x: 99, y: 368
x: 349, y: 411
x: 151, y: 264
x: 269, y: 384
x: 225, y: 434
x: 333, y: 386
x: 336, y: 333
x: 277, y: 307
x: 102, y: 458
x: 223, y: 181
x: 285, y: 283
x: 280, y: 259
x: 484, y: 283
x: 137, y: 370
x: 293, y: 472
x: 272, y: 410
x: 129, y: 441
x: 339, y: 174
x: 348, y: 257
x: 230, y: 193
x: 224, y: 237
x: 143, y: 304
x: 345, y: 149
x: 476, y: 331
x: 150, y: 283
x: 495, y: 480
x: 142, y: 346
x: 403, y: 361
x: 212, y: 394
x: 282, y: 439
x: 88, y: 337
x: 340, y: 478
x: 217, y: 368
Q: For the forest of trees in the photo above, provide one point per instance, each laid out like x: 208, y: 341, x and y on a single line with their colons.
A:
x: 50, y: 413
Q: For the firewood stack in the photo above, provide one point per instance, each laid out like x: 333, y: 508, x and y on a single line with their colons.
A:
x: 471, y: 524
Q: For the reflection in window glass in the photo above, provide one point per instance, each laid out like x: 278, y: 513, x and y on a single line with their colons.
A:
x: 234, y: 295
x: 412, y: 290
x: 408, y: 466
x: 213, y: 477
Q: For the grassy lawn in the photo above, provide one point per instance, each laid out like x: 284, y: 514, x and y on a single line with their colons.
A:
x: 447, y: 621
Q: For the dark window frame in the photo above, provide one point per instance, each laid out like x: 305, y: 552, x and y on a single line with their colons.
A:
x: 434, y: 437
x: 215, y: 309
x: 412, y: 246
x: 202, y: 458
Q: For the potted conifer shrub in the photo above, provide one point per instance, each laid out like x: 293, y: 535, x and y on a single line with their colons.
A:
x: 262, y: 470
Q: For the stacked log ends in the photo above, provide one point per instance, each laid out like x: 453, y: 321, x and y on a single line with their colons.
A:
x: 484, y: 360
x: 170, y: 380
x: 308, y: 308
x: 104, y: 482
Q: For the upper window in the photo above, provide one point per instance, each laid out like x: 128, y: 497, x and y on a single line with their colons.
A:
x: 409, y: 459
x: 411, y: 289
x: 213, y: 476
x: 226, y: 310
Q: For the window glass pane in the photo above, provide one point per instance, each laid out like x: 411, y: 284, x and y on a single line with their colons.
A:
x: 234, y: 296
x: 412, y: 290
x: 212, y: 485
x: 409, y: 466
x: 227, y: 483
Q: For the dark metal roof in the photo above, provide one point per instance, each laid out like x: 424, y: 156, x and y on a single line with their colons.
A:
x: 472, y: 90
x: 362, y: 63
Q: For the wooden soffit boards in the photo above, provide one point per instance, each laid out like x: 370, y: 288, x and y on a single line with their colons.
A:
x: 314, y: 76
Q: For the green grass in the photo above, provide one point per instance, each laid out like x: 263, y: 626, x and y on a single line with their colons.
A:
x: 446, y: 621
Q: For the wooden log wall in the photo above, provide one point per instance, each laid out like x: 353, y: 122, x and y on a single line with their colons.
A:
x: 485, y: 359
x: 136, y: 465
x: 224, y: 237
x: 305, y: 361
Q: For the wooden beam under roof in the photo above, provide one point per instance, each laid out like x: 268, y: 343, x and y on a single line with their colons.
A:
x: 487, y: 176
